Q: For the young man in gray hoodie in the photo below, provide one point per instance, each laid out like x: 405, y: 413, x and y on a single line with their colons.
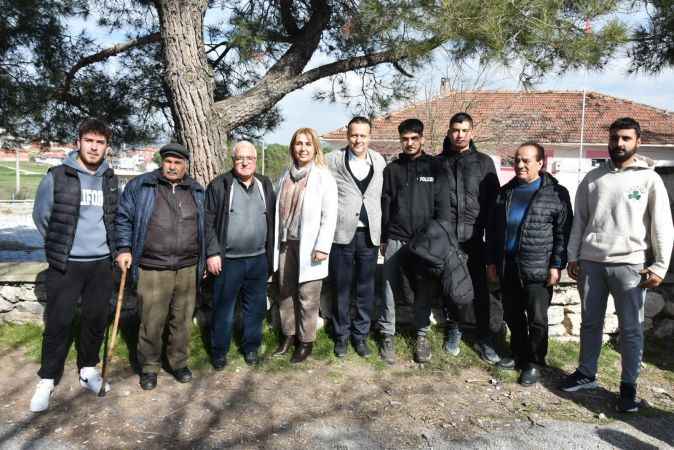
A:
x: 74, y: 211
x: 620, y: 243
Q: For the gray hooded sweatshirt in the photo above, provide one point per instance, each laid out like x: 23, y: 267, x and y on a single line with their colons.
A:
x: 90, y: 242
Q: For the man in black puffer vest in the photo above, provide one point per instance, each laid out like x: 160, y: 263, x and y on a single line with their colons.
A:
x: 474, y: 184
x: 527, y: 234
x: 74, y: 211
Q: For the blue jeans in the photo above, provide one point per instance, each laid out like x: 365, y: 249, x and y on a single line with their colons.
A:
x: 249, y: 277
x: 358, y: 256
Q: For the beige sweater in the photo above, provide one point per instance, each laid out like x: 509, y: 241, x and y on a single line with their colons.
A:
x: 623, y: 216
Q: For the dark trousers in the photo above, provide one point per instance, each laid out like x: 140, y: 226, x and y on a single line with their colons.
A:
x: 247, y: 276
x: 482, y: 301
x: 359, y: 257
x: 92, y: 282
x: 526, y: 313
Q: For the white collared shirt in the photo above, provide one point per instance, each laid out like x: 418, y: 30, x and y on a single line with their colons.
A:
x: 359, y: 167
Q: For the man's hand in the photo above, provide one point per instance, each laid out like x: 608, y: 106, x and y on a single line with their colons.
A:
x: 572, y: 269
x: 553, y: 276
x: 124, y: 260
x: 318, y: 256
x: 492, y: 276
x: 649, y: 279
x: 214, y: 264
x: 382, y: 248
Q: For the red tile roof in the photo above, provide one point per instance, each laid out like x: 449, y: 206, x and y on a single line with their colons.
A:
x: 509, y: 118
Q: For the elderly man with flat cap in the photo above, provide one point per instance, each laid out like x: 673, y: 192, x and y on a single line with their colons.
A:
x: 160, y: 223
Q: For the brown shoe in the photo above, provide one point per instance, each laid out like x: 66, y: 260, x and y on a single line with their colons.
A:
x: 284, y: 346
x: 302, y: 352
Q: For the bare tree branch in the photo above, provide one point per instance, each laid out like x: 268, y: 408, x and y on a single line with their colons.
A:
x: 102, y: 56
x: 287, y: 17
x: 272, y: 89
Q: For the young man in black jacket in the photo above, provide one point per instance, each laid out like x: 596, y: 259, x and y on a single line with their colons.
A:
x: 528, y: 232
x: 414, y: 192
x: 474, y: 184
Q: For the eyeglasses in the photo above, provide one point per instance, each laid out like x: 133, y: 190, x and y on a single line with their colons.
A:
x: 240, y: 159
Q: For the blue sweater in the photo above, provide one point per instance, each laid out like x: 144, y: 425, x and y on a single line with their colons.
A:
x: 519, y: 203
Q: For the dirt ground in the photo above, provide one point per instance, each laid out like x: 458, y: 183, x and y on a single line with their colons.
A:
x: 325, y: 404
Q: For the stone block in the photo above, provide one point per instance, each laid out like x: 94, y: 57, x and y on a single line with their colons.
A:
x: 611, y: 324
x: 557, y: 330
x: 572, y: 324
x: 32, y: 308
x: 664, y: 328
x: 16, y: 316
x: 555, y: 315
x: 610, y: 306
x: 565, y: 296
x: 5, y: 305
x: 28, y: 293
x: 655, y: 303
x: 10, y: 293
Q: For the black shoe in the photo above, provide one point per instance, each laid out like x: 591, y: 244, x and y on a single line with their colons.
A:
x: 529, y: 375
x: 506, y: 363
x: 284, y: 346
x: 577, y: 381
x: 183, y: 375
x: 362, y: 349
x: 422, y: 350
x: 148, y: 381
x: 251, y: 358
x: 219, y: 362
x: 340, y: 348
x: 387, y: 351
x: 627, y: 401
x: 302, y: 352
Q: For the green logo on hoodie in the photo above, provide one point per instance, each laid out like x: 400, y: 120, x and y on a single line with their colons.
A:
x: 634, y: 195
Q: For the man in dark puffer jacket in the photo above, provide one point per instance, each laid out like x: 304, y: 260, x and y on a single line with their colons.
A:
x: 527, y: 235
x: 414, y: 192
x: 474, y: 184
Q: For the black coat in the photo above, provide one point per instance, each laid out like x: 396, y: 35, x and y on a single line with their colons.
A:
x: 473, y: 184
x: 217, y: 215
x: 543, y: 234
x: 414, y: 192
x: 437, y: 251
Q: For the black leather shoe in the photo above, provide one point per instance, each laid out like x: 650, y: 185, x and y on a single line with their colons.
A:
x: 219, y: 363
x: 506, y: 363
x: 362, y: 349
x: 529, y: 375
x: 148, y: 381
x: 284, y: 346
x: 340, y: 349
x: 251, y: 358
x: 302, y: 352
x: 183, y: 375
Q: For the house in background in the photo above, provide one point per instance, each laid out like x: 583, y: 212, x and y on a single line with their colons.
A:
x: 505, y: 119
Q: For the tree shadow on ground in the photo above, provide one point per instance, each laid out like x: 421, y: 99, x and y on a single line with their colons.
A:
x: 650, y: 419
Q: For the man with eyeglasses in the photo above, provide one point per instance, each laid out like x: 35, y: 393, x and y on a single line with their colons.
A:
x: 239, y: 236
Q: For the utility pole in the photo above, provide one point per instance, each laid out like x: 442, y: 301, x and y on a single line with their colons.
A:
x: 18, y: 172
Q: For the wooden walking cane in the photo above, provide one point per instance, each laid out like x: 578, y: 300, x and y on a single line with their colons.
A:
x: 115, y: 323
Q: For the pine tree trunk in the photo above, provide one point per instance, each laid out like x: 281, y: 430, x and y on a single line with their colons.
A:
x: 189, y: 85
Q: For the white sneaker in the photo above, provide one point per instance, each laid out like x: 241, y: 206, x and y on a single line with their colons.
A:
x: 43, y: 392
x: 91, y: 379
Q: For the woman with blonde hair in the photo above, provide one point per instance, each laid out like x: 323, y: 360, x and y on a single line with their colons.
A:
x: 306, y: 217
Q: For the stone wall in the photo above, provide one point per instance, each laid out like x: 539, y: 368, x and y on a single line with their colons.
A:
x: 22, y: 298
